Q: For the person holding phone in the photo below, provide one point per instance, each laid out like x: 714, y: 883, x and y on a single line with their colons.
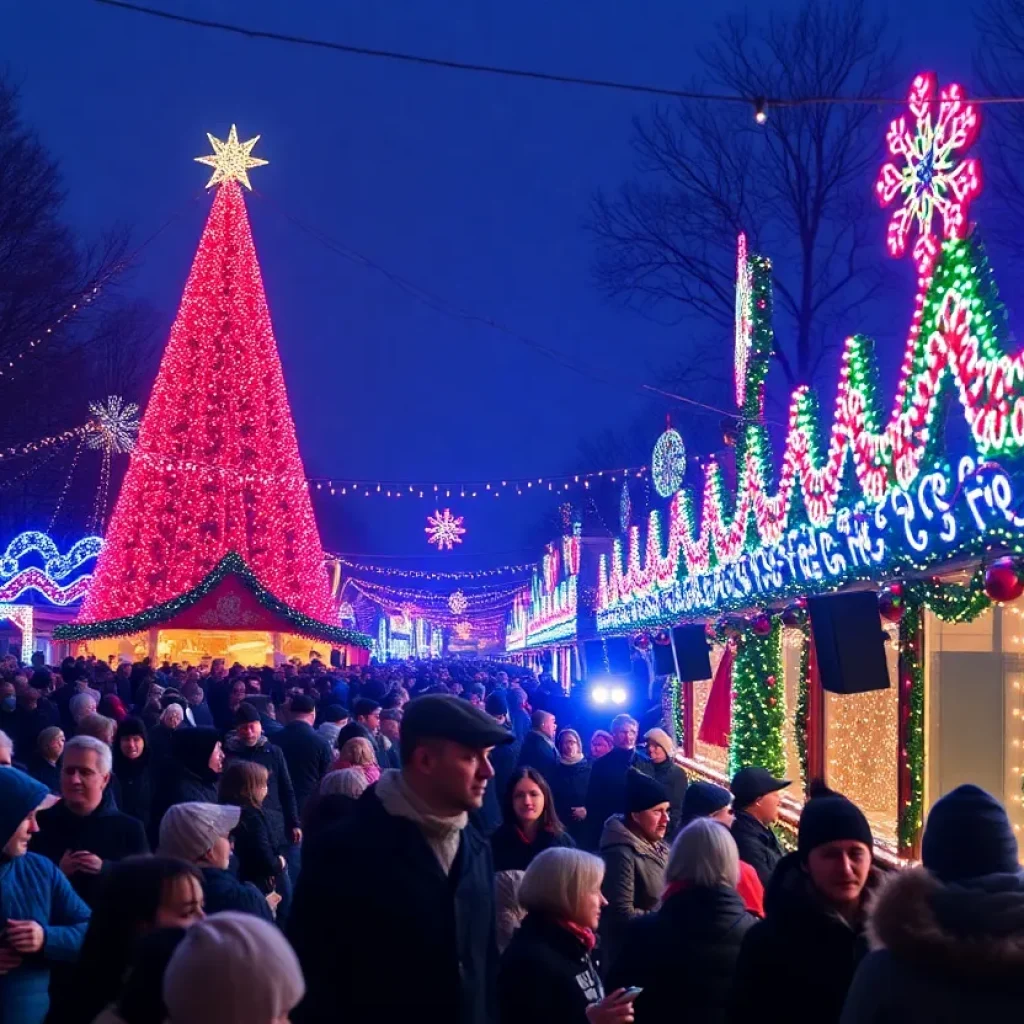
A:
x: 547, y: 976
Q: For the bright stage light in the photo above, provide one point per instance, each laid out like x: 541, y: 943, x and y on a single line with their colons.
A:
x: 600, y: 695
x: 619, y: 695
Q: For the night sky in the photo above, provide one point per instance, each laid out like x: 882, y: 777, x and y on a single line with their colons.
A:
x: 473, y: 187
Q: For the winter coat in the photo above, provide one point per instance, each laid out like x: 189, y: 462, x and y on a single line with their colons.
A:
x: 673, y: 778
x: 802, y: 948
x: 377, y: 869
x: 357, y: 730
x: 757, y: 845
x: 634, y: 879
x: 42, y: 771
x: 684, y: 955
x: 32, y: 888
x: 308, y: 756
x: 279, y: 806
x: 539, y: 754
x: 254, y: 851
x: 570, y: 790
x: 135, y: 778
x: 503, y: 760
x: 546, y: 976
x: 223, y: 891
x: 202, y: 715
x: 606, y: 791
x: 519, y: 721
x: 186, y: 777
x: 107, y: 832
x: 944, y: 954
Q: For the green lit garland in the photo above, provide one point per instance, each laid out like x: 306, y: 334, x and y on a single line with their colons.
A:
x: 802, y: 714
x: 675, y: 710
x: 953, y: 602
x: 759, y: 706
x: 911, y: 668
x: 230, y: 564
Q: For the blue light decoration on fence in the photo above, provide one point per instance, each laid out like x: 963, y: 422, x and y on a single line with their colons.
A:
x: 62, y: 579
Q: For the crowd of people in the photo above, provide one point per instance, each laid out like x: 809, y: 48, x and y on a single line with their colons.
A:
x: 447, y: 841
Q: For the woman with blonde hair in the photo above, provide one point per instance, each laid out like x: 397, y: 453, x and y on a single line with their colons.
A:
x: 691, y: 944
x: 546, y: 975
x: 335, y: 801
x: 244, y: 784
x: 358, y: 753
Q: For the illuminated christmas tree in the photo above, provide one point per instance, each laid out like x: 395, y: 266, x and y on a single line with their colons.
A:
x: 216, y: 486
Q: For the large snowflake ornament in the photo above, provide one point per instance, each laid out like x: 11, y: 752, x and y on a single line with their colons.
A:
x: 116, y: 425
x: 457, y: 602
x: 668, y: 463
x: 463, y: 630
x: 444, y: 529
x: 929, y: 175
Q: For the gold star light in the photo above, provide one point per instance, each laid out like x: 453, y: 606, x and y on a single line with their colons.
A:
x: 231, y: 160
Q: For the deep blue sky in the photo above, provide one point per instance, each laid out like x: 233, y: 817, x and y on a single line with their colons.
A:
x: 472, y: 186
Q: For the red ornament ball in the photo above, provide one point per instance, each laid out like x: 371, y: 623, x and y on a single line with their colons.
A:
x: 642, y: 641
x: 794, y: 615
x: 1004, y: 579
x: 771, y: 702
x: 890, y: 602
x: 770, y: 681
x: 662, y: 637
x: 761, y: 624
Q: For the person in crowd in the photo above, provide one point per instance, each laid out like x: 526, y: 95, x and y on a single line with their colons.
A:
x: 80, y: 706
x: 706, y: 800
x: 202, y: 716
x: 365, y: 725
x: 99, y: 727
x: 171, y: 719
x: 336, y: 717
x: 267, y: 711
x: 948, y: 937
x: 358, y: 753
x: 43, y: 919
x: 133, y: 769
x: 518, y: 718
x: 539, y: 750
x: 390, y: 733
x: 230, y: 697
x: 661, y: 765
x: 7, y: 753
x: 111, y: 706
x: 756, y: 806
x: 244, y: 784
x: 44, y: 761
x: 635, y: 854
x: 307, y: 754
x: 606, y: 789
x: 249, y: 744
x: 199, y: 834
x: 191, y: 773
x: 812, y: 937
x: 412, y: 828
x: 8, y: 707
x: 572, y: 775
x: 141, y: 1000
x: 210, y: 977
x: 86, y: 832
x: 546, y: 975
x: 35, y: 713
x: 504, y: 760
x: 336, y: 800
x: 530, y: 826
x: 139, y: 894
x: 689, y: 946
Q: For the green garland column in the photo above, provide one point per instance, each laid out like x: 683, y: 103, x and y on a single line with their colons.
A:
x: 759, y: 703
x: 911, y: 727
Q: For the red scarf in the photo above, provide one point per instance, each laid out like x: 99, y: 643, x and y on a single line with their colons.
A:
x: 585, y: 935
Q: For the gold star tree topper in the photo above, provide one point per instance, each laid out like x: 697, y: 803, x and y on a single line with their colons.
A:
x: 231, y: 160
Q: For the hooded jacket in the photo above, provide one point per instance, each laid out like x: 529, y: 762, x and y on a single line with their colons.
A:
x: 187, y: 776
x: 606, y: 790
x: 32, y: 888
x: 802, y: 948
x: 279, y: 806
x: 943, y: 953
x: 135, y: 776
x: 569, y: 789
x: 634, y: 878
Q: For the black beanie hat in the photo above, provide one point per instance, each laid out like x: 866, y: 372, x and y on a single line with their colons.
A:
x: 829, y: 817
x: 643, y: 792
x: 246, y: 713
x: 703, y: 799
x: 132, y: 727
x: 968, y: 835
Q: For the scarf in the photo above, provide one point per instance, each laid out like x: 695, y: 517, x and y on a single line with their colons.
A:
x: 570, y: 760
x: 585, y: 935
x: 442, y: 834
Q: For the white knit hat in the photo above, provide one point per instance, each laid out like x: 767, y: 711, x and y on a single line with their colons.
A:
x: 189, y: 830
x: 232, y: 968
x: 663, y: 740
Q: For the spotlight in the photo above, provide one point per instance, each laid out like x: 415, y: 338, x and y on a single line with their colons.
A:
x: 619, y: 695
x: 599, y: 695
x: 760, y: 113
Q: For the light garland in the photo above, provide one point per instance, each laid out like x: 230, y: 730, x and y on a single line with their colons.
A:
x: 465, y: 574
x: 445, y: 530
x: 547, y: 611
x: 457, y: 602
x: 23, y: 616
x: 912, y: 755
x: 759, y: 703
x: 42, y: 443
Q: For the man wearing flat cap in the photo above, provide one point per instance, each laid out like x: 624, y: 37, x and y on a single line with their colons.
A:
x: 422, y: 868
x: 756, y: 803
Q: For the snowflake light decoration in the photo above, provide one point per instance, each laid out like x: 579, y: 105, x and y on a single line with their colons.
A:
x: 444, y: 529
x: 928, y: 176
x: 625, y: 507
x: 668, y: 463
x: 463, y: 630
x: 744, y: 323
x: 116, y: 425
x: 457, y: 602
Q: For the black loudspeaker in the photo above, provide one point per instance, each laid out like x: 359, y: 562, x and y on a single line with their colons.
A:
x: 693, y: 655
x: 849, y: 642
x: 335, y: 657
x: 594, y: 658
x: 664, y: 663
x: 620, y: 657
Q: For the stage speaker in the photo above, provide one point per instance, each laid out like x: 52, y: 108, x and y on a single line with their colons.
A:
x: 849, y: 642
x: 693, y: 656
x: 620, y: 657
x: 594, y: 658
x: 335, y: 658
x: 664, y: 663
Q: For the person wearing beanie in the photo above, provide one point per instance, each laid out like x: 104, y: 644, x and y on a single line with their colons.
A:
x: 307, y: 754
x: 43, y: 918
x: 661, y: 765
x: 190, y: 775
x: 504, y: 759
x: 813, y: 935
x: 756, y: 804
x: 213, y: 977
x: 948, y: 937
x: 635, y: 853
x: 134, y: 770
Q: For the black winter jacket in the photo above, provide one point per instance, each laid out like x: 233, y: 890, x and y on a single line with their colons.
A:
x: 684, y: 956
x: 673, y: 778
x: 107, y: 833
x: 135, y: 780
x: 308, y: 756
x: 503, y: 760
x: 512, y: 853
x: 279, y: 806
x: 801, y: 948
x: 570, y: 790
x: 944, y: 954
x: 447, y: 923
x: 606, y: 791
x: 254, y: 850
x: 186, y: 777
x: 757, y: 845
x: 539, y: 754
x: 546, y: 976
x: 223, y: 891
